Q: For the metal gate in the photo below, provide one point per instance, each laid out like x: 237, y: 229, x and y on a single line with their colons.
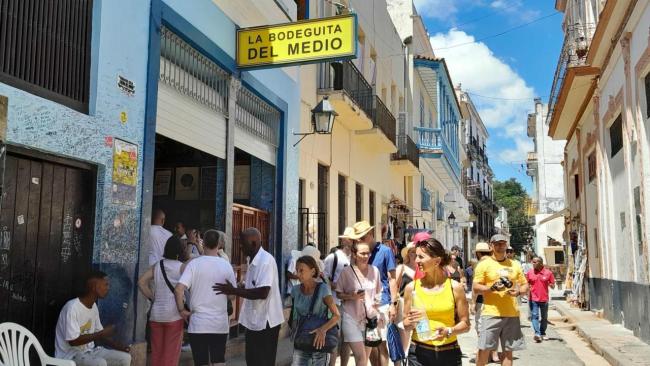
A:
x: 46, y: 239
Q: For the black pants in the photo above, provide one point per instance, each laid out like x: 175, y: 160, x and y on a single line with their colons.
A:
x: 208, y: 348
x: 420, y: 356
x: 262, y: 346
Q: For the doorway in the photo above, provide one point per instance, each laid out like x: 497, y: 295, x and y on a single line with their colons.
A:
x: 46, y: 238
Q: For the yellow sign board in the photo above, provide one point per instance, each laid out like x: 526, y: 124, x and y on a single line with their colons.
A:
x: 304, y: 41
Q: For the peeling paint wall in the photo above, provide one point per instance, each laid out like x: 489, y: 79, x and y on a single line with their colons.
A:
x: 119, y: 44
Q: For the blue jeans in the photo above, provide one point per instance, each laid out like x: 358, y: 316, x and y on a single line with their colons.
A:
x: 540, y: 316
x: 302, y: 358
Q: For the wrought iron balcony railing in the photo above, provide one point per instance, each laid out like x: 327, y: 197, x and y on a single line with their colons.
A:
x: 433, y: 139
x: 407, y: 150
x: 345, y: 76
x: 577, y: 40
x: 384, y: 119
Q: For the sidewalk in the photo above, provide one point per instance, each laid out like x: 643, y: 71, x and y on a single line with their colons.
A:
x: 614, y: 342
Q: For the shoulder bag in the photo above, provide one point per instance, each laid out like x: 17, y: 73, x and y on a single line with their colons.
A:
x: 304, y: 340
x: 169, y: 284
x: 371, y: 334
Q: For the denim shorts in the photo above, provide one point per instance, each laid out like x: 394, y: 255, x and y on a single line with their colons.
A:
x: 302, y: 358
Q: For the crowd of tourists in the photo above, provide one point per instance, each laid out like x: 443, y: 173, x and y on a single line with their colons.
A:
x: 363, y: 300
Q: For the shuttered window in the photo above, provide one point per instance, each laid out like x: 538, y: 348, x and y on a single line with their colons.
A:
x: 45, y: 48
x: 616, y: 136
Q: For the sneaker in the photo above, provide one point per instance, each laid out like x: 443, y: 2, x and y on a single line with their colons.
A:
x: 537, y: 339
x: 544, y: 337
x: 186, y: 348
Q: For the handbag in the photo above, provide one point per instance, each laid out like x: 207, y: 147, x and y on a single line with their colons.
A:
x: 304, y: 340
x: 371, y: 334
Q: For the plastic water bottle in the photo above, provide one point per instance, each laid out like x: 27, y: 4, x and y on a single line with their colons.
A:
x: 422, y: 328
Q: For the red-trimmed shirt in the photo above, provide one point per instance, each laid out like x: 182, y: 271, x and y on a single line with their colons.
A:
x: 539, y: 282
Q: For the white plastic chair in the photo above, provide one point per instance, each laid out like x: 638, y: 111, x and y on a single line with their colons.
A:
x: 15, y: 344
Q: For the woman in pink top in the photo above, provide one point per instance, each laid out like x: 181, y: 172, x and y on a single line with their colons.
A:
x: 359, y: 287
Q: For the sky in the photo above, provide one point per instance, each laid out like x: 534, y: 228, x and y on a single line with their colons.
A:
x: 504, y: 73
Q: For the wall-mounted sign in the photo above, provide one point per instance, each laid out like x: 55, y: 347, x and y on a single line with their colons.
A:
x: 300, y: 42
x: 126, y: 86
x: 125, y: 172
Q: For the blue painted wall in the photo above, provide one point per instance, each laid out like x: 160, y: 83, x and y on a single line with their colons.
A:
x: 119, y: 41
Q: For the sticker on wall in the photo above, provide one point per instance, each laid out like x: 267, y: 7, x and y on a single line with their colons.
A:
x: 125, y: 172
x: 20, y: 219
x: 77, y: 223
x: 126, y: 86
x: 108, y: 141
x: 36, y: 180
x: 123, y: 117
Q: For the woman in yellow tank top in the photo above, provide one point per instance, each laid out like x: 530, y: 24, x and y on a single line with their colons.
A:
x: 435, y: 308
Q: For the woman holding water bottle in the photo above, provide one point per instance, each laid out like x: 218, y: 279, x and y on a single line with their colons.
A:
x: 435, y: 308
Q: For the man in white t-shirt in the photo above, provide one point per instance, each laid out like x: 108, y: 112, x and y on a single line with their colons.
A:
x: 209, y: 324
x: 79, y: 327
x: 261, y: 311
x: 334, y: 265
x: 158, y: 236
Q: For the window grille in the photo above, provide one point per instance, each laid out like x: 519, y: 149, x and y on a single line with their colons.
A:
x: 45, y: 48
x: 257, y: 117
x: 191, y: 73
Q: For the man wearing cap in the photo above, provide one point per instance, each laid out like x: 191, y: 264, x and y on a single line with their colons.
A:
x: 382, y: 257
x: 334, y: 265
x: 500, y: 281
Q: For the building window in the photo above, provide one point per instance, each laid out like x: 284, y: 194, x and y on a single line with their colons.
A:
x: 576, y: 185
x: 47, y: 52
x: 343, y: 209
x: 371, y: 207
x: 359, y: 201
x: 616, y: 136
x: 647, y: 95
x: 302, y: 12
x: 591, y: 166
x: 321, y: 215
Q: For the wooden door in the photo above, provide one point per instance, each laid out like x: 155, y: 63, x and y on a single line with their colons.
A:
x: 46, y: 240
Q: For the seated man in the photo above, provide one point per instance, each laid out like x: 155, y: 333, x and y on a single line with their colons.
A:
x: 79, y: 327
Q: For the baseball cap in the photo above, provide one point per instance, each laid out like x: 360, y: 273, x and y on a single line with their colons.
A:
x: 498, y: 237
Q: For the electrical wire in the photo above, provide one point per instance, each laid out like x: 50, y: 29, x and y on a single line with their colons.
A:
x: 500, y: 33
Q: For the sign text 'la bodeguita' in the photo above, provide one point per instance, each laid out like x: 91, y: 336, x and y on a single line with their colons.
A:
x: 321, y: 39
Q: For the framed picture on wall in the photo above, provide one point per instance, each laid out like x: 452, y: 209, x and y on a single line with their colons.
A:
x: 161, y: 182
x: 187, y: 184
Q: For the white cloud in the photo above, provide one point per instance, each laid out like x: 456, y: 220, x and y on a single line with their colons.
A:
x: 519, y: 152
x: 483, y: 74
x: 515, y: 9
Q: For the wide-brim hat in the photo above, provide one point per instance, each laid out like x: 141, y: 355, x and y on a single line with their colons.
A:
x: 405, y: 251
x: 360, y: 229
x: 421, y: 236
x: 347, y: 232
x: 482, y: 247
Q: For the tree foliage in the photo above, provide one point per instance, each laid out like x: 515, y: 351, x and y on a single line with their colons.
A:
x: 512, y: 195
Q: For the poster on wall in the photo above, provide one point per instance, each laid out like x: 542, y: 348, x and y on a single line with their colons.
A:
x: 125, y: 172
x: 187, y: 184
x: 161, y: 182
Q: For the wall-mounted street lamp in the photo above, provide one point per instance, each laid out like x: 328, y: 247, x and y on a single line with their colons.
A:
x: 322, y: 120
x: 451, y: 219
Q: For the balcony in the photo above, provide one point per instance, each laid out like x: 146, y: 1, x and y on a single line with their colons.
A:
x: 349, y: 92
x: 407, y: 157
x: 382, y: 135
x: 531, y: 164
x: 572, y: 79
x: 433, y: 144
x: 426, y: 200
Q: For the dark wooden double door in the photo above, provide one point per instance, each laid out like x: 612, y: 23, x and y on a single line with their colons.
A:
x: 46, y: 239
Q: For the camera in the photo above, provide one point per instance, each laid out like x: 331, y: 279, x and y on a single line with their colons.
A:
x: 503, y: 281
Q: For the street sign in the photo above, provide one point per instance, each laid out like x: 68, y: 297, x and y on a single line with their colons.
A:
x: 300, y: 42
